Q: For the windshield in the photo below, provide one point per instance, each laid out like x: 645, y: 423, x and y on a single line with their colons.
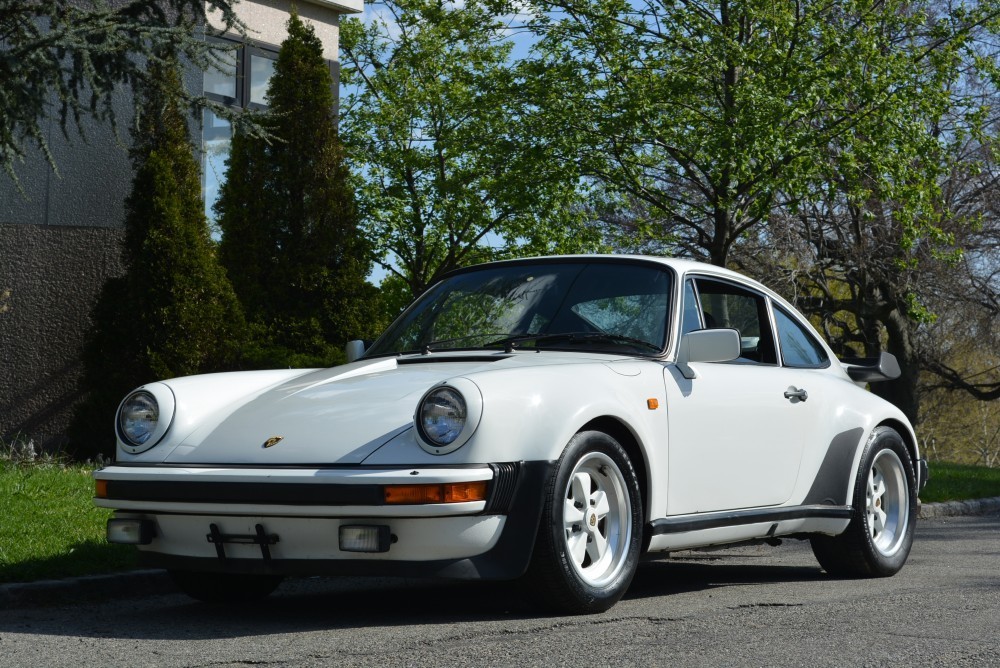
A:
x: 605, y: 306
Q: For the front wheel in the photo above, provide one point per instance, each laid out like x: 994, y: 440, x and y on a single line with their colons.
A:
x: 878, y: 539
x: 590, y: 536
x: 225, y: 587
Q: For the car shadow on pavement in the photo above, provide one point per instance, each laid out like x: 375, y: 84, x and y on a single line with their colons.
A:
x: 327, y: 604
x: 693, y: 574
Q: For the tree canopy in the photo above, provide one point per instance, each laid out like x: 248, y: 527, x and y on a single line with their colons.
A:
x: 441, y: 126
x: 702, y: 116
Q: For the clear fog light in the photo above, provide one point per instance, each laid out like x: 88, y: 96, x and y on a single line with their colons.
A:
x: 365, y: 538
x: 131, y: 532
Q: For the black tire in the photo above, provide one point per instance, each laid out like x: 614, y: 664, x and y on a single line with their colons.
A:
x: 878, y: 539
x: 225, y: 587
x: 584, y: 565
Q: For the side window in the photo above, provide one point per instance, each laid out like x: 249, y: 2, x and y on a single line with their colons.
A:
x: 725, y: 305
x: 798, y: 347
x: 690, y: 320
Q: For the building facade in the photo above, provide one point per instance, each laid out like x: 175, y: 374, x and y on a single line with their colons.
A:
x: 61, y: 238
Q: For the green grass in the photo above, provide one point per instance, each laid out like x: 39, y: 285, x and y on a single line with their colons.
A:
x: 960, y: 482
x: 49, y: 526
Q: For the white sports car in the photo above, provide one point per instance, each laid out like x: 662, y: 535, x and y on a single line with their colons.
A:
x: 549, y: 420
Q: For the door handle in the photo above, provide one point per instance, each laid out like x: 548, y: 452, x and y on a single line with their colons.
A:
x: 794, y: 394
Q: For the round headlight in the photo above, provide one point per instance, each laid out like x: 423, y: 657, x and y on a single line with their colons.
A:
x: 442, y: 416
x: 138, y: 417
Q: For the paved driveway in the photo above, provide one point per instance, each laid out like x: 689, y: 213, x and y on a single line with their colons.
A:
x: 758, y: 606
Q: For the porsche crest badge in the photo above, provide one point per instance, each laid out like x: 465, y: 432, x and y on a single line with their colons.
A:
x: 271, y: 442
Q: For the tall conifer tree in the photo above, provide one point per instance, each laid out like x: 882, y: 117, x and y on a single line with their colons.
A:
x: 174, y: 312
x: 288, y: 219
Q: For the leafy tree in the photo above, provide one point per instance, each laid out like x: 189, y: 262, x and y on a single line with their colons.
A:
x: 888, y: 252
x: 702, y: 116
x: 174, y: 312
x: 289, y: 224
x: 69, y: 58
x: 442, y: 129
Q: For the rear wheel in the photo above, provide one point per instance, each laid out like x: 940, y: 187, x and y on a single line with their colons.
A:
x: 878, y: 539
x: 590, y: 535
x: 225, y: 587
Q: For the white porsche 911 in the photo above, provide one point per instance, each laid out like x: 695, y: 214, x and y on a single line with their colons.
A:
x: 549, y: 420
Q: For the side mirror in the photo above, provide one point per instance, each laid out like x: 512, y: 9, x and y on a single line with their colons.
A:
x: 354, y: 350
x: 707, y: 345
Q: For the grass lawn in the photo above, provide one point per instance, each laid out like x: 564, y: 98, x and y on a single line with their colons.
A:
x: 50, y: 528
x: 960, y: 482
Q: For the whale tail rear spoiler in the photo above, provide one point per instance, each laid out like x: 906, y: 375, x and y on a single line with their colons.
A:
x: 872, y: 369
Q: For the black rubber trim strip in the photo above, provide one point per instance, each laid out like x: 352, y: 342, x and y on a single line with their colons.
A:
x: 501, y: 489
x: 278, y: 493
x: 730, y: 518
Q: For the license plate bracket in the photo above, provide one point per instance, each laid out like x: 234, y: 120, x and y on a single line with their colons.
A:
x: 261, y: 538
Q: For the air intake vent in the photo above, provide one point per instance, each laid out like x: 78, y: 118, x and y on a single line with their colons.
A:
x: 505, y: 477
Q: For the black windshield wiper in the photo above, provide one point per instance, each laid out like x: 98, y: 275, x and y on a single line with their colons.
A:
x: 511, y: 342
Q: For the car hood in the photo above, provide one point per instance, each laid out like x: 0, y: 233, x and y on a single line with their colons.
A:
x: 339, y: 415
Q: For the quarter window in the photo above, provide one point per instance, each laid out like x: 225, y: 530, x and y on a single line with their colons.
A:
x: 798, y: 347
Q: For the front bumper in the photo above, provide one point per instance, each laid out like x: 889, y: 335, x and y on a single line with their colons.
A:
x: 287, y: 521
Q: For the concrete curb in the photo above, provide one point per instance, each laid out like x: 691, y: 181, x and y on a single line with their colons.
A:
x: 956, y: 508
x: 131, y: 584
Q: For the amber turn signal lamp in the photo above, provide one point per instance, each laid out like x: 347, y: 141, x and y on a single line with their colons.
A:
x: 453, y: 492
x: 652, y: 404
x: 101, y: 489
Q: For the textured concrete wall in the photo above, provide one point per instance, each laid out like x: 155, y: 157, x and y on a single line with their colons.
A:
x: 54, y: 274
x: 60, y: 240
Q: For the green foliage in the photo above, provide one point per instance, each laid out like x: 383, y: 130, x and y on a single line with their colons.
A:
x: 77, y: 54
x: 703, y: 116
x: 289, y: 222
x: 441, y: 127
x: 174, y: 312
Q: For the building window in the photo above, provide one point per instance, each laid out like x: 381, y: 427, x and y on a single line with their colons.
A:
x: 241, y: 84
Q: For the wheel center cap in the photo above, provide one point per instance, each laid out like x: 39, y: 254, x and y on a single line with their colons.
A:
x: 593, y: 519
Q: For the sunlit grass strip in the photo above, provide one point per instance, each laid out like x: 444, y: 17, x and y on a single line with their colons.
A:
x: 959, y: 482
x: 49, y: 526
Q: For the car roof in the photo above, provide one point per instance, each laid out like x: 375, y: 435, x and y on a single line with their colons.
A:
x: 681, y: 266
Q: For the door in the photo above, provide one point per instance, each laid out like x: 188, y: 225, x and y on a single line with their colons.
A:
x: 735, y: 438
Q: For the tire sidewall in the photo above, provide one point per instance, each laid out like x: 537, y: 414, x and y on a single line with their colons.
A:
x: 885, y: 438
x: 594, y: 598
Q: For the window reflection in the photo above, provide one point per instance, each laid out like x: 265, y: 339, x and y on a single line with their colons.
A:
x: 217, y: 139
x: 223, y: 82
x: 261, y: 69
